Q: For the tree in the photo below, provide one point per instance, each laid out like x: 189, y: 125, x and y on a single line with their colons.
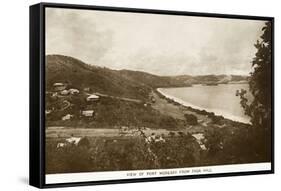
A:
x: 259, y: 109
x: 260, y: 83
x: 191, y: 119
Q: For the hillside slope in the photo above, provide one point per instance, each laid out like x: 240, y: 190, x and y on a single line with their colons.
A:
x: 123, y: 83
x: 79, y: 75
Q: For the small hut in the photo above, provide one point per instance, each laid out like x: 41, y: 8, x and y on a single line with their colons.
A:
x: 59, y: 86
x: 88, y: 113
x: 93, y: 98
x: 73, y: 91
x: 64, y: 92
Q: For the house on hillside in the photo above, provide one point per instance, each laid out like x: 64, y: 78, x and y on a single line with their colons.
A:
x: 67, y: 117
x: 64, y: 92
x: 73, y: 140
x: 48, y: 111
x: 92, y: 98
x: 73, y: 91
x: 88, y: 113
x: 54, y: 95
x: 87, y: 89
x: 59, y: 86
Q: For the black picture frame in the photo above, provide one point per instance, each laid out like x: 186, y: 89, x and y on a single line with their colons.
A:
x: 37, y: 93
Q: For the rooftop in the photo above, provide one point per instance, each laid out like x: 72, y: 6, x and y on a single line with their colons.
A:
x: 58, y: 84
x: 93, y: 96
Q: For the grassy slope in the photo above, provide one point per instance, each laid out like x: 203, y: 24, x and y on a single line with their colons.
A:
x: 79, y: 75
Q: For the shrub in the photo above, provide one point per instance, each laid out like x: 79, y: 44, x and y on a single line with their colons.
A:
x: 214, y: 140
x: 167, y: 122
x: 172, y: 134
x: 191, y: 119
x: 217, y: 119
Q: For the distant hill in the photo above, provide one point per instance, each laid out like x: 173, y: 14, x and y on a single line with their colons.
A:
x: 154, y: 81
x: 79, y: 75
x: 126, y: 83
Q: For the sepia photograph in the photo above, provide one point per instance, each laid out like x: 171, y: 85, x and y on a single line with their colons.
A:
x: 153, y: 93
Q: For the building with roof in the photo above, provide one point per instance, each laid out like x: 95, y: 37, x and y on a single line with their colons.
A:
x: 88, y: 113
x: 59, y: 86
x: 93, y: 97
x: 64, y: 92
x: 67, y: 117
x: 73, y: 91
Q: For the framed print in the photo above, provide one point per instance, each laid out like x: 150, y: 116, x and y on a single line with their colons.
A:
x: 123, y: 95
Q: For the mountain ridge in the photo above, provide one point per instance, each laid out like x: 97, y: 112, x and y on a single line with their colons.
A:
x: 127, y: 83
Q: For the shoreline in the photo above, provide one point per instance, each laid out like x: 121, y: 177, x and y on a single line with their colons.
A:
x: 208, y: 110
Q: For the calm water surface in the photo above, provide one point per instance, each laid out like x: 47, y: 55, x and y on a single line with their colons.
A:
x: 220, y: 99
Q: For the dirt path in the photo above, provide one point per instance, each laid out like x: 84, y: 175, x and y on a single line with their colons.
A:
x: 166, y: 108
x: 178, y: 111
x: 63, y: 132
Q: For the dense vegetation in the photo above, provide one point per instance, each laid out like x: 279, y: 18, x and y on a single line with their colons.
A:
x: 260, y: 108
x: 123, y: 154
x: 191, y: 119
x: 223, y: 146
x: 110, y: 113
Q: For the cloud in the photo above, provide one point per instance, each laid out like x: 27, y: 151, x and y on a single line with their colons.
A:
x: 74, y: 34
x: 159, y: 44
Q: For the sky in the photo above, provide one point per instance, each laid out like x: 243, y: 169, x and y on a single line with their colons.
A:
x: 158, y: 44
